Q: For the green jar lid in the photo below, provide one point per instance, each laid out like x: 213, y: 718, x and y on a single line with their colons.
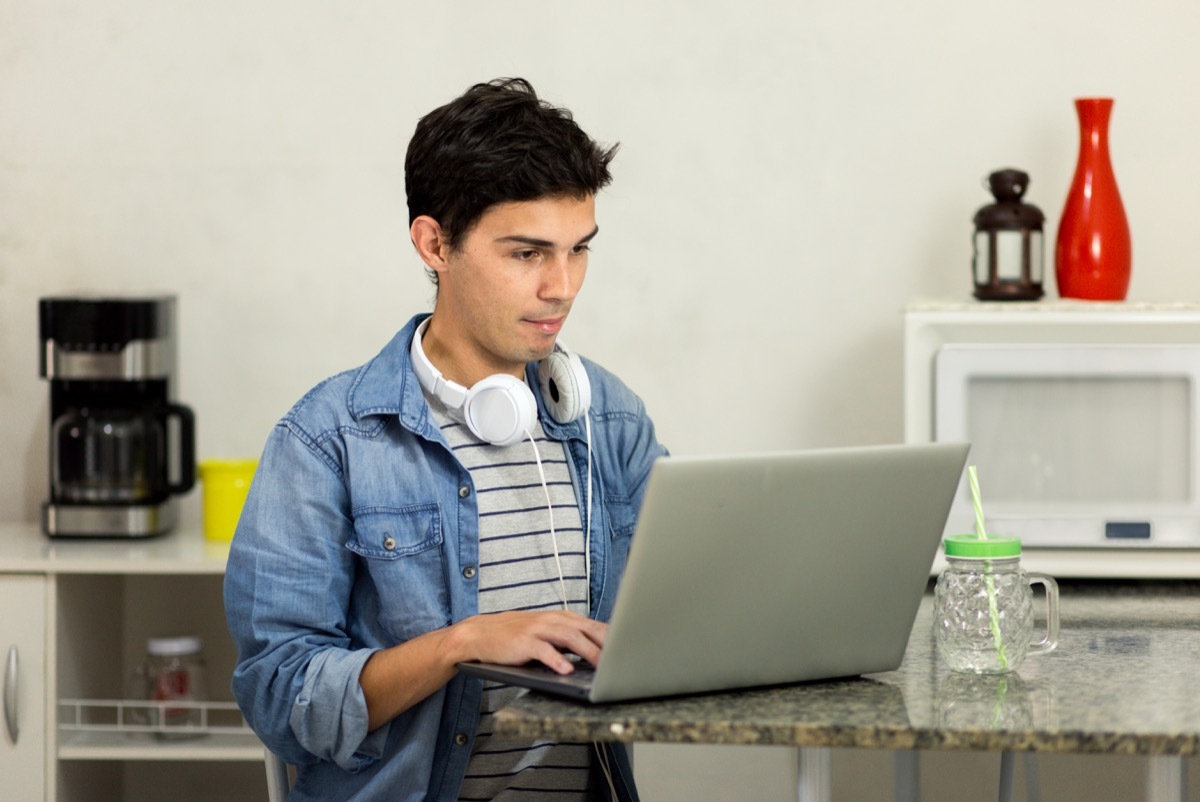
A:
x: 972, y: 546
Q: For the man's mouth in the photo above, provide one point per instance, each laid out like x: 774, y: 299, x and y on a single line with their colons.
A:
x: 547, y: 325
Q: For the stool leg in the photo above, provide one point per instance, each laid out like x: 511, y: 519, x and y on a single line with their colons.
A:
x: 1033, y: 786
x: 1007, y: 770
x: 907, y: 776
x: 1166, y: 779
x: 815, y: 770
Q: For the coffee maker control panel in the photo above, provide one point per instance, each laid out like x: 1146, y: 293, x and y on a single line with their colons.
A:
x: 107, y: 338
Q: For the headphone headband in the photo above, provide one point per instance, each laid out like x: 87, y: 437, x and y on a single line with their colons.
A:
x: 451, y: 394
x: 500, y: 409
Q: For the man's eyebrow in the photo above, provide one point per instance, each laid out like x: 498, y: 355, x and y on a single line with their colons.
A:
x: 545, y: 243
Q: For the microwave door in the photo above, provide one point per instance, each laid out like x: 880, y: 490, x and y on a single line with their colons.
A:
x: 1076, y: 445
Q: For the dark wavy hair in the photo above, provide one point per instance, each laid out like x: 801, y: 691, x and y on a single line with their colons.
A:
x: 496, y: 143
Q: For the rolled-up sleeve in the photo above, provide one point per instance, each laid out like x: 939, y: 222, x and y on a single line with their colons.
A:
x: 287, y: 588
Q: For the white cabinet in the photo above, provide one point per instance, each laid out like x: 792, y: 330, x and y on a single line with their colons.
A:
x: 23, y: 697
x: 80, y: 612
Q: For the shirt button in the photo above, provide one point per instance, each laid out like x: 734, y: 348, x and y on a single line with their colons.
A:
x: 464, y: 491
x: 460, y: 739
x: 469, y: 572
x: 389, y: 543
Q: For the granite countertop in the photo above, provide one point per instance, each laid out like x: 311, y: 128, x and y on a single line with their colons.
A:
x: 1125, y: 679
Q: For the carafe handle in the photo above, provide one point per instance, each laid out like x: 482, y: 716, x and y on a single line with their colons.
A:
x: 187, y: 447
x: 1047, y: 643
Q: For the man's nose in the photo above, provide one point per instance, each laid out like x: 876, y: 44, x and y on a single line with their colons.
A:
x: 562, y: 279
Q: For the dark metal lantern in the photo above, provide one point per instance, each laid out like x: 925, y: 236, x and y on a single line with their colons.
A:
x: 1009, y: 252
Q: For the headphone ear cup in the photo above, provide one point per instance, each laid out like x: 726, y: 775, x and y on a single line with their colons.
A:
x: 566, y: 391
x: 500, y: 410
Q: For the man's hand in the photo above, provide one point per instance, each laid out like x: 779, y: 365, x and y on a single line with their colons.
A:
x: 395, y: 679
x: 513, y: 638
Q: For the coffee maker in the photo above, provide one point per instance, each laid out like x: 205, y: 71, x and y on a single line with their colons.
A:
x: 120, y: 448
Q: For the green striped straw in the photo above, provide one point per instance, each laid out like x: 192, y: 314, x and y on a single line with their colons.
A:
x: 981, y: 533
x: 976, y: 498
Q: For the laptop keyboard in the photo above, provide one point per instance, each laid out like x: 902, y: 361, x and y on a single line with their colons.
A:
x: 581, y: 677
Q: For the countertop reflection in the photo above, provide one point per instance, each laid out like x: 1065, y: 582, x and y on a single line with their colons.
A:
x: 1125, y: 679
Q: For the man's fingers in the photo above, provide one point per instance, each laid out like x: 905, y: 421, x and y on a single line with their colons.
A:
x: 515, y: 637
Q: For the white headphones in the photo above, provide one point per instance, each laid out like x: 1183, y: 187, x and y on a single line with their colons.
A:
x: 500, y: 409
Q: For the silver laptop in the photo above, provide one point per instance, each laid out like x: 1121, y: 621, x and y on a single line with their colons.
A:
x: 768, y: 569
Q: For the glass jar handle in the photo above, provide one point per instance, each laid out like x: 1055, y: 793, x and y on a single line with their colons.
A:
x: 1047, y: 643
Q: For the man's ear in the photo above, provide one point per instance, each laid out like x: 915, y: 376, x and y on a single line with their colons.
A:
x: 430, y: 242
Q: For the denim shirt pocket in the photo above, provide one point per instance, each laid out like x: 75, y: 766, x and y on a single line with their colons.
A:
x: 622, y: 519
x: 400, y: 548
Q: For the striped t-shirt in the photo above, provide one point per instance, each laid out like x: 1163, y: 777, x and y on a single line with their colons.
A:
x: 518, y: 571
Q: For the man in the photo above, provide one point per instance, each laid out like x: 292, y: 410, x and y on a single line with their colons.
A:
x: 468, y: 494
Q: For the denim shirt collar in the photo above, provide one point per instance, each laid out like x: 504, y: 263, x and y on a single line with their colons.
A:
x: 387, y: 385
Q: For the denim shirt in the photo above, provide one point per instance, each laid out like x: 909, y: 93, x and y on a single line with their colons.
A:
x: 360, y: 532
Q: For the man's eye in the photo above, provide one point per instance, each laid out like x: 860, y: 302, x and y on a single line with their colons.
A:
x: 581, y: 249
x: 526, y: 256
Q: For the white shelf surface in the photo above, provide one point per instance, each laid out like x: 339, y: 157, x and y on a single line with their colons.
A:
x: 1012, y: 310
x: 24, y: 548
x: 104, y: 729
x: 1105, y: 563
x: 124, y: 746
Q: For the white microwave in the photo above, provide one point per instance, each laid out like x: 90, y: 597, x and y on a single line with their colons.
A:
x: 1076, y: 444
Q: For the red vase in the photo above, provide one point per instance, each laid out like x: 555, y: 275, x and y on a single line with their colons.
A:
x: 1093, y: 256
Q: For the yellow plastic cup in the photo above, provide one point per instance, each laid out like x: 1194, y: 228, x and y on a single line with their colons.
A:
x: 226, y: 483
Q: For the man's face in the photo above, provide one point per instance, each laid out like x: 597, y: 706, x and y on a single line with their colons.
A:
x: 505, y: 292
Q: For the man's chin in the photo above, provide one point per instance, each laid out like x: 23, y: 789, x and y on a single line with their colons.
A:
x: 541, y: 348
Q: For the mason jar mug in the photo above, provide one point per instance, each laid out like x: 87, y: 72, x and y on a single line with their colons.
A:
x: 983, y: 606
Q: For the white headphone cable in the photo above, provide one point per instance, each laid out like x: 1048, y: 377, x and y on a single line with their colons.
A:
x: 562, y: 582
x: 587, y: 531
x: 602, y: 756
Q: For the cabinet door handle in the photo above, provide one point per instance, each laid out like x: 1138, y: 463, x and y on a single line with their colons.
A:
x: 10, y: 695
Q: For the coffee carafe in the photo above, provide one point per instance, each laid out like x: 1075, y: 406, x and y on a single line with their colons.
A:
x: 120, y: 448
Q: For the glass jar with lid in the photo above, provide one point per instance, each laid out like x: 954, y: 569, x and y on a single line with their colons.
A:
x: 983, y: 606
x: 173, y: 671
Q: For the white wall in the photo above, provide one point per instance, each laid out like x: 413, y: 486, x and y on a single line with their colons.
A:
x: 789, y: 178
